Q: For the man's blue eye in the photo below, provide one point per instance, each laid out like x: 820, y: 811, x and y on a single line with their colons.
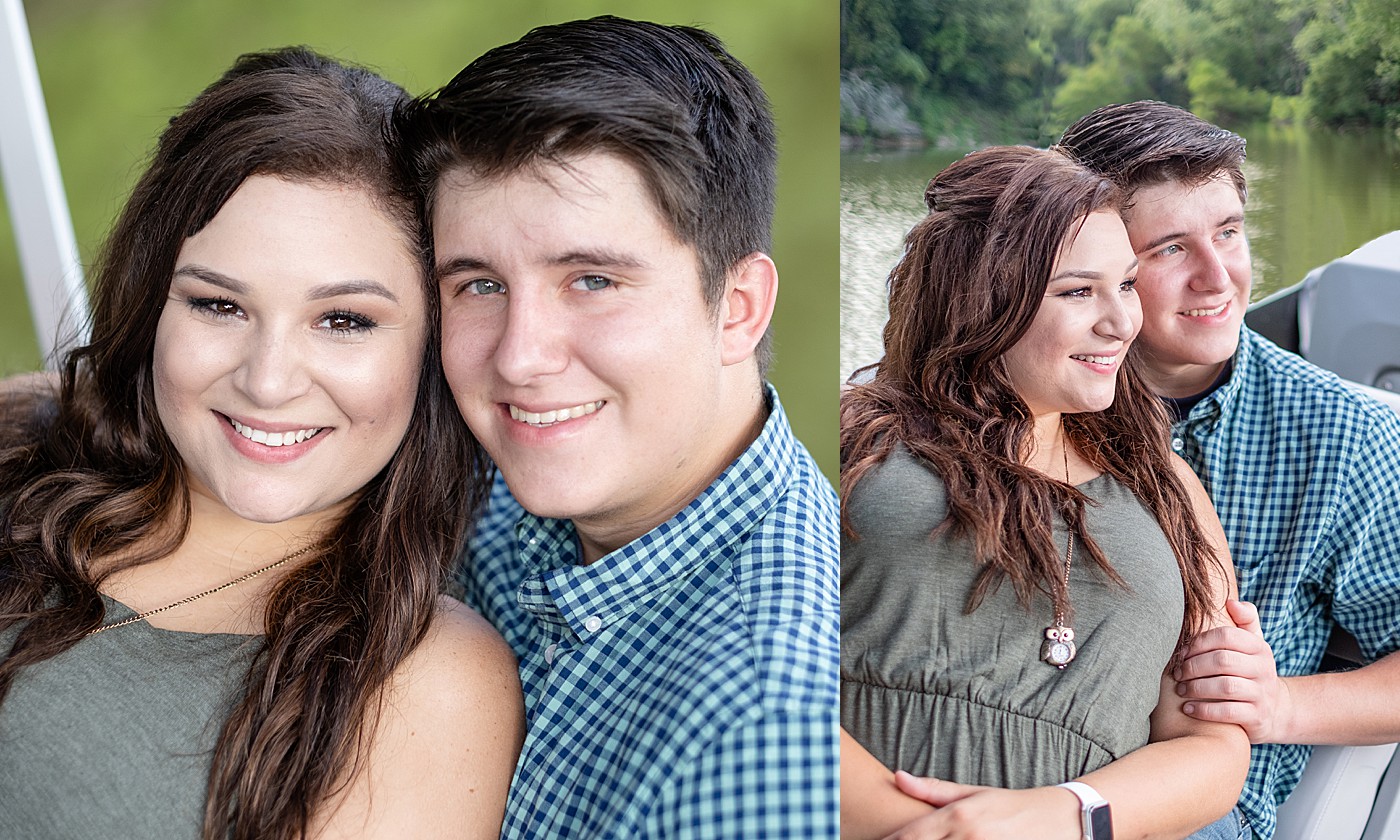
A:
x: 484, y: 287
x: 593, y: 282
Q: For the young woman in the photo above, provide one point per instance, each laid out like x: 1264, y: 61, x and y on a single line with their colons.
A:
x: 1022, y: 555
x: 222, y: 541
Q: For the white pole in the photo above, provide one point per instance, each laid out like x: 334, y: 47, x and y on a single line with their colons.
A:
x: 48, y: 250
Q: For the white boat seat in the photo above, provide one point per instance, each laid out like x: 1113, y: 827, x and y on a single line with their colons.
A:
x: 1385, y: 814
x: 1346, y: 793
x: 1335, y: 797
x: 1349, y: 314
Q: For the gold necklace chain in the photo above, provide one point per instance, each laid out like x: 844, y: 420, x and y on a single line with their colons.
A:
x: 1058, y: 648
x: 191, y: 599
x: 1069, y: 547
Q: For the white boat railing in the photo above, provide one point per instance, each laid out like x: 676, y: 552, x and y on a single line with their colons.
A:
x: 48, y: 250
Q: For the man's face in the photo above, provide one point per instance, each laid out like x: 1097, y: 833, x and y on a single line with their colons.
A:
x: 1193, y: 280
x: 578, y: 343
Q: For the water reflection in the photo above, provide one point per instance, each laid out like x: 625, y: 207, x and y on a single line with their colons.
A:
x: 1313, y: 197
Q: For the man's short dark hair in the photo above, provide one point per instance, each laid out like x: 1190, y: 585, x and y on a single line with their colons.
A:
x: 1145, y: 143
x: 669, y: 100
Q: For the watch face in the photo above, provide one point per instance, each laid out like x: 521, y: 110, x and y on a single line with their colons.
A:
x: 1100, y: 823
x: 1059, y: 653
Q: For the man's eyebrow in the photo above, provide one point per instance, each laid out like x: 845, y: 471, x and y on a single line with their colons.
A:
x: 600, y: 258
x: 209, y: 275
x: 609, y: 259
x: 1162, y: 240
x: 1232, y: 219
x: 460, y: 265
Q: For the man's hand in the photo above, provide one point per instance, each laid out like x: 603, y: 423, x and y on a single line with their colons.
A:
x: 1228, y: 675
x: 969, y: 812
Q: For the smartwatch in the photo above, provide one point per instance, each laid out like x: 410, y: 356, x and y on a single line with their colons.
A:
x: 1096, y: 820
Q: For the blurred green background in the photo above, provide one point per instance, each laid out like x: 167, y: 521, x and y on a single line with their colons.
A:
x: 114, y: 71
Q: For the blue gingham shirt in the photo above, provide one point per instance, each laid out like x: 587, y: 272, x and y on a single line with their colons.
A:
x: 1305, y: 475
x: 685, y: 685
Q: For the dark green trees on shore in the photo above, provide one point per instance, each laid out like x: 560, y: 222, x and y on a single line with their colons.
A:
x: 967, y: 71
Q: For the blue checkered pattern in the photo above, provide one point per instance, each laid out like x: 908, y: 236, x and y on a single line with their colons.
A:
x: 1305, y: 475
x: 685, y: 685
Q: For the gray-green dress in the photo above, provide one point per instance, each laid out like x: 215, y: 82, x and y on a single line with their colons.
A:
x: 936, y: 692
x: 113, y: 738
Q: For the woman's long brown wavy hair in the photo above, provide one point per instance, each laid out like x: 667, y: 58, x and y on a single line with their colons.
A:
x: 94, y: 476
x: 969, y: 284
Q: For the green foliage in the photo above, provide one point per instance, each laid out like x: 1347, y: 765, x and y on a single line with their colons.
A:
x: 1353, y: 53
x: 1042, y: 63
x: 1127, y: 67
x: 1252, y: 41
x: 1218, y: 98
x: 1287, y: 110
x: 1339, y: 87
x: 870, y: 42
x: 956, y: 65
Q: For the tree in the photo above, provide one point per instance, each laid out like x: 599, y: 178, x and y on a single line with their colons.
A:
x: 1128, y: 67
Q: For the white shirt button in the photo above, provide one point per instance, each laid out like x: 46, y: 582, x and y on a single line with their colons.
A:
x: 549, y: 654
x: 592, y: 623
x: 1178, y: 444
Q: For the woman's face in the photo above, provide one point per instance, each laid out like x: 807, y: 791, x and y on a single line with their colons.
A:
x: 288, y: 351
x: 1068, y: 360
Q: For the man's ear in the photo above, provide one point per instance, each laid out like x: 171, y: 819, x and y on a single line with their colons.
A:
x: 750, y: 292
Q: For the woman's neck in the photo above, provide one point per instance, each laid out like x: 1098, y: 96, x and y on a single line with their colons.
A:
x: 219, y: 547
x: 1047, y: 452
x: 214, y: 530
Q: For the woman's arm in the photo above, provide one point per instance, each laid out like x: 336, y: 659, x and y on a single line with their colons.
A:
x: 1188, y: 775
x: 440, y: 759
x: 34, y: 382
x: 871, y: 806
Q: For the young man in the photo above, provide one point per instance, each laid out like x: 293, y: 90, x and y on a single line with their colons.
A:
x: 667, y: 570
x: 1302, y: 470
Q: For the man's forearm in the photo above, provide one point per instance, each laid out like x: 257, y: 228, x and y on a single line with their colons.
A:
x: 1345, y: 707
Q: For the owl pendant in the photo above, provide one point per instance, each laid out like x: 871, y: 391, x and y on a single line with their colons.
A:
x: 1058, y: 648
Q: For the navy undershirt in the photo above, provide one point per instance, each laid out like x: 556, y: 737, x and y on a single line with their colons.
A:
x: 1181, y: 406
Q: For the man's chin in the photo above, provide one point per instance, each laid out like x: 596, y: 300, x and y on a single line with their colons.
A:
x: 544, y: 496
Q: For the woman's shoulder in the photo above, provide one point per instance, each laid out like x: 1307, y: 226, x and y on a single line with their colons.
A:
x: 461, y: 683
x: 901, y: 472
x: 445, y: 741
x: 462, y: 657
x: 902, y: 494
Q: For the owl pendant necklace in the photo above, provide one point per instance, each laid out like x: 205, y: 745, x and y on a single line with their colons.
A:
x: 1058, y: 647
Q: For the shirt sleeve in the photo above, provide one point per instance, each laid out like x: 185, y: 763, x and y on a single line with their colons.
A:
x: 776, y: 776
x: 1366, y: 541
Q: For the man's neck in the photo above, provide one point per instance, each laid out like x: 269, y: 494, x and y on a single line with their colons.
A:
x: 1182, y: 381
x: 611, y: 531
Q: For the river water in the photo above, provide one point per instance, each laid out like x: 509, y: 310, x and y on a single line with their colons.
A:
x: 1313, y: 196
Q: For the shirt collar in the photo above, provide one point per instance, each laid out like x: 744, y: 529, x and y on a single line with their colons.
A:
x: 597, y: 595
